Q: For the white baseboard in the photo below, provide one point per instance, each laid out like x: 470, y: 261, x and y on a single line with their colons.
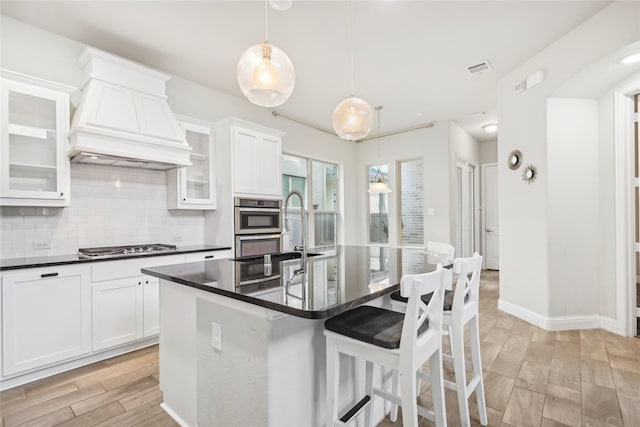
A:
x: 523, y: 313
x: 173, y: 415
x: 561, y: 323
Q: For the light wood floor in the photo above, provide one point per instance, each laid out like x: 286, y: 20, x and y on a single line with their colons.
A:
x: 532, y: 378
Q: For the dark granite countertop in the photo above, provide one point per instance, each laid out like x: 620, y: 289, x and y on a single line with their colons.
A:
x: 337, y: 279
x: 32, y: 262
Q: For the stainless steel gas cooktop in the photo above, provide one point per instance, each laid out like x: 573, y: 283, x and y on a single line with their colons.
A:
x: 125, y: 250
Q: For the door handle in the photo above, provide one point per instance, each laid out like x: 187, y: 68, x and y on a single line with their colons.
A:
x: 488, y: 230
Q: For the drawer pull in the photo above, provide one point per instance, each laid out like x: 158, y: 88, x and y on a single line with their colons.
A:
x: 49, y: 275
x: 208, y: 256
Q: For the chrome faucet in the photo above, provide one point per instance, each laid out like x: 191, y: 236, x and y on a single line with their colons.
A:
x: 301, y: 247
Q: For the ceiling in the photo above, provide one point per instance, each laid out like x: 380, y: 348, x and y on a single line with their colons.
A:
x: 409, y: 56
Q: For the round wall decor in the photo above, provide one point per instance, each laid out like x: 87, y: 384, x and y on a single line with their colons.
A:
x: 514, y: 160
x: 529, y: 174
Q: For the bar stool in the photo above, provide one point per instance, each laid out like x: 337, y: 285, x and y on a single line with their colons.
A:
x: 461, y: 307
x: 401, y: 342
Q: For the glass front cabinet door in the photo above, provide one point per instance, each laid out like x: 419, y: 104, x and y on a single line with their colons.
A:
x: 194, y: 187
x: 35, y: 125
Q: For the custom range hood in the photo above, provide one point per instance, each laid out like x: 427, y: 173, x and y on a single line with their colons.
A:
x: 123, y: 118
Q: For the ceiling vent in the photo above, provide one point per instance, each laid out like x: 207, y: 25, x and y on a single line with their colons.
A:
x: 480, y: 68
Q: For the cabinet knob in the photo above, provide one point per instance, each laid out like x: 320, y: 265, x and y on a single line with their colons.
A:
x: 139, y: 283
x: 62, y: 194
x: 184, y: 200
x: 146, y: 282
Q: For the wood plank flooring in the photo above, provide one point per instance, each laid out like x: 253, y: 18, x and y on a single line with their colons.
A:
x: 532, y: 378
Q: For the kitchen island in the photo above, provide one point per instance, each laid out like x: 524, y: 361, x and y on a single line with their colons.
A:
x: 242, y: 343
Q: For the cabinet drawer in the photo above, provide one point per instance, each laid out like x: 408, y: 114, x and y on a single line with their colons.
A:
x: 110, y: 270
x: 204, y: 256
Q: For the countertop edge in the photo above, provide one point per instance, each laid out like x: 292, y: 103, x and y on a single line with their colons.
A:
x: 71, y: 260
x: 312, y: 315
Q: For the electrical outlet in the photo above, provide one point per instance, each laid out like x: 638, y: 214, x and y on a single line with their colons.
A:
x: 216, y: 336
x: 41, y: 244
x: 176, y: 238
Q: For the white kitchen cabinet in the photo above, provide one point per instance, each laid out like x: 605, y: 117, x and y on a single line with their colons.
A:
x: 46, y: 316
x: 151, y: 304
x: 194, y: 187
x: 256, y: 153
x: 34, y: 125
x: 117, y: 312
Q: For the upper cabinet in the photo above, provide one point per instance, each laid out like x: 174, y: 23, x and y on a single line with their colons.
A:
x: 194, y: 187
x: 256, y: 153
x: 35, y: 125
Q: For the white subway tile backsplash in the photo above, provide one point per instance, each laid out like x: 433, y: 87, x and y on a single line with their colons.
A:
x: 109, y: 206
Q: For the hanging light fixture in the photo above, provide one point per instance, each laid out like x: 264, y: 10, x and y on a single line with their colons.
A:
x: 353, y: 117
x: 265, y: 73
x: 378, y: 186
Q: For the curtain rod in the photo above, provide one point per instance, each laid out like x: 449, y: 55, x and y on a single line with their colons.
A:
x: 391, y: 133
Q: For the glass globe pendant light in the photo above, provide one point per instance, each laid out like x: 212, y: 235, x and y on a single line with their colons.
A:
x: 353, y: 117
x: 265, y: 73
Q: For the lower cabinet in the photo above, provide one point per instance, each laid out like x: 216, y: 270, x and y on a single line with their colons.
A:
x: 151, y: 303
x: 46, y: 316
x: 124, y: 310
x: 53, y: 315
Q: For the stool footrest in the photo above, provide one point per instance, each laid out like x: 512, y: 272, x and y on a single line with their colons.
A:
x: 473, y: 384
x: 355, y: 409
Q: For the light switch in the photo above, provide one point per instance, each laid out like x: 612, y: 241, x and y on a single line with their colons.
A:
x: 216, y: 336
x: 431, y: 211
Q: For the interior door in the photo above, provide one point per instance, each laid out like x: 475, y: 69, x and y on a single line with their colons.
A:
x: 467, y: 216
x: 491, y: 227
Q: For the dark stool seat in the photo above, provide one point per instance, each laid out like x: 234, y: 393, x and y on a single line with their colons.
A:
x: 372, y: 325
x: 448, y: 299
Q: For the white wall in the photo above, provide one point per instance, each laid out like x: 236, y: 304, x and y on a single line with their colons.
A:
x: 432, y: 146
x: 531, y: 216
x: 489, y: 151
x: 572, y: 168
x: 42, y: 54
x: 109, y: 206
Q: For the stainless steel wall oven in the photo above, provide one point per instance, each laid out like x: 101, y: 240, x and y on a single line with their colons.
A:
x: 258, y: 226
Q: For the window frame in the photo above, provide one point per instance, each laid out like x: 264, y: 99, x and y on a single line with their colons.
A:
x: 401, y: 244
x: 369, y: 242
x: 308, y: 200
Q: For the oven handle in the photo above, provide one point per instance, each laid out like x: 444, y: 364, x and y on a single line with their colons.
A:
x: 262, y: 279
x: 258, y: 210
x: 258, y: 237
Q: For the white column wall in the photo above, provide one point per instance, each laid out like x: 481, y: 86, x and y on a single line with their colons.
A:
x: 531, y: 216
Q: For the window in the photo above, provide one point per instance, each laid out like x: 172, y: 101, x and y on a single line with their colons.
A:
x: 378, y: 207
x: 320, y: 180
x: 411, y: 203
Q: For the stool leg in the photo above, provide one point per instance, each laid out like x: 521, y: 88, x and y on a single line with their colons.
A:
x: 393, y: 414
x: 474, y: 332
x: 368, y: 418
x: 457, y: 347
x: 437, y: 388
x: 333, y: 382
x: 408, y: 396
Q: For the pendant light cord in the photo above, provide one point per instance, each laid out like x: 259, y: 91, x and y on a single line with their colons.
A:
x: 351, y: 45
x: 266, y: 21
